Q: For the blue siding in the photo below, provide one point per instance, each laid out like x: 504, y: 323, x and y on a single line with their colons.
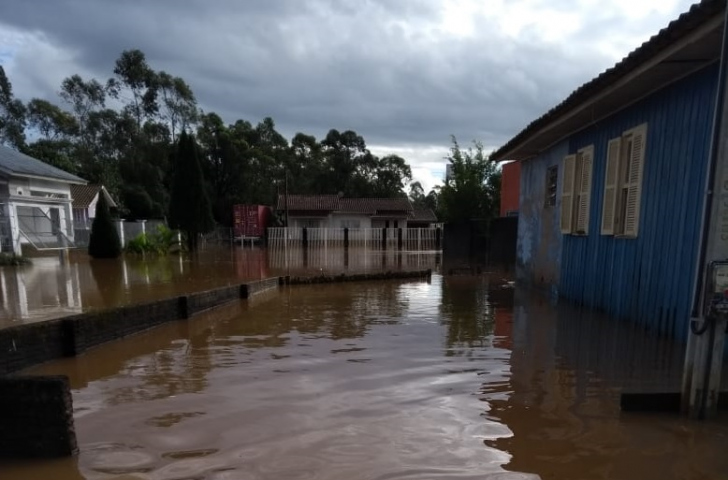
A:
x: 648, y: 279
x: 538, y: 251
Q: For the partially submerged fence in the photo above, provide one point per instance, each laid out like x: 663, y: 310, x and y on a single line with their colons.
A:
x: 412, y: 239
x: 127, y: 230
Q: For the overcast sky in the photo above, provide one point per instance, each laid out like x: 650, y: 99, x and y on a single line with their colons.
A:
x: 404, y: 74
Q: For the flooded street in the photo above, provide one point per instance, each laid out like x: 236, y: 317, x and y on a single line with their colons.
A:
x: 48, y: 289
x: 440, y: 380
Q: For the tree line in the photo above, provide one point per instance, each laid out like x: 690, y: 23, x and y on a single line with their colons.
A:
x: 123, y: 133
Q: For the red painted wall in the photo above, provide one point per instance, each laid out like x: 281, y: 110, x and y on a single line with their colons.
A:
x: 510, y: 188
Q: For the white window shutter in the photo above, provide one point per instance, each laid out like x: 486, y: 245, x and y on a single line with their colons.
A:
x: 586, y: 159
x: 567, y: 194
x: 634, y: 191
x: 611, y: 180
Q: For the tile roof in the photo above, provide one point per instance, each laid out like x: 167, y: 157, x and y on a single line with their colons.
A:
x: 372, y: 206
x: 309, y: 203
x: 423, y: 215
x: 334, y: 203
x: 677, y: 29
x: 15, y: 163
x: 83, y: 195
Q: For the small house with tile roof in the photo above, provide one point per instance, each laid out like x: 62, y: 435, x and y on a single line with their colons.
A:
x: 422, y: 218
x: 85, y: 198
x: 35, y: 203
x: 334, y: 211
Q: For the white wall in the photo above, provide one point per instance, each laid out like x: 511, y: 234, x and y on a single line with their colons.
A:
x: 381, y: 223
x: 351, y: 220
x: 25, y: 185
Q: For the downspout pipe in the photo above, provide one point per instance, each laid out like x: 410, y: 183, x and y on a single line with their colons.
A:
x: 699, y: 278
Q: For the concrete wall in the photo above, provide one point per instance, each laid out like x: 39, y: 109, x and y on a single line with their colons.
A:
x: 538, y: 252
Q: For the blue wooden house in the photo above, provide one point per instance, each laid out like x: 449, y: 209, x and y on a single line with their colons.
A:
x: 613, y: 179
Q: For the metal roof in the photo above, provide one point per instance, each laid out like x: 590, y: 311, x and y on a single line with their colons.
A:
x: 688, y: 43
x: 18, y: 164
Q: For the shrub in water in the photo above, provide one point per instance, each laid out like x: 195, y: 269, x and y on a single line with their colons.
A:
x: 104, y: 242
x: 160, y: 242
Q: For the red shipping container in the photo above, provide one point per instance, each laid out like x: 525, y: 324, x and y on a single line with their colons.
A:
x: 250, y: 220
x: 510, y: 189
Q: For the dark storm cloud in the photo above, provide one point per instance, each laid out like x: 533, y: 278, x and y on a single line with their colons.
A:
x: 379, y: 67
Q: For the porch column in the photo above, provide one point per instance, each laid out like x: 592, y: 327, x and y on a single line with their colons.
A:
x: 14, y: 228
x: 68, y: 213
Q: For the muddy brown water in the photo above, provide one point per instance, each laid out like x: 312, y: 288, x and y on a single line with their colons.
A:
x: 448, y: 379
x: 48, y: 289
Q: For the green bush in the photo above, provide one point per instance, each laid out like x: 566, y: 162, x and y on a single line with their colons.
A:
x: 104, y: 241
x: 12, y: 260
x: 162, y: 242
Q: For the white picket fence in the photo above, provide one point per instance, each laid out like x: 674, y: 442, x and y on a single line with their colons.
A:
x: 413, y: 239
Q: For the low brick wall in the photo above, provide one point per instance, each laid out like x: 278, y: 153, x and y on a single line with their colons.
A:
x: 23, y: 346
x: 357, y: 277
x: 249, y: 289
x: 91, y: 329
x: 36, y: 414
x: 26, y: 345
x: 199, y: 302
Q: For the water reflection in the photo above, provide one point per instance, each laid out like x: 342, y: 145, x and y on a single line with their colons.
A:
x: 304, y: 261
x: 30, y: 293
x: 568, y: 367
x: 49, y: 289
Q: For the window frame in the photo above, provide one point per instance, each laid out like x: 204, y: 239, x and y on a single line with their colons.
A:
x: 576, y: 192
x: 622, y: 195
x: 552, y: 186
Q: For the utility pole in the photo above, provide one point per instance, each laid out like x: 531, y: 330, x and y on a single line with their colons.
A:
x: 706, y: 336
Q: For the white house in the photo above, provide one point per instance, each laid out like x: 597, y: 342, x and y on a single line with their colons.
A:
x: 85, y: 198
x: 35, y: 203
x: 334, y: 211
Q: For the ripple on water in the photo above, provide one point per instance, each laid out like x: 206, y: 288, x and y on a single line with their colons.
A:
x: 183, y: 454
x: 117, y: 459
x: 234, y: 475
x: 294, y: 466
x: 189, y: 468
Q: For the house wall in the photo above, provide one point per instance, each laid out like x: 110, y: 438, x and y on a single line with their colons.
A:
x: 28, y: 184
x: 648, y: 279
x: 303, y: 221
x: 510, y: 189
x: 21, y: 202
x: 336, y: 220
x: 382, y: 223
x: 538, y: 250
